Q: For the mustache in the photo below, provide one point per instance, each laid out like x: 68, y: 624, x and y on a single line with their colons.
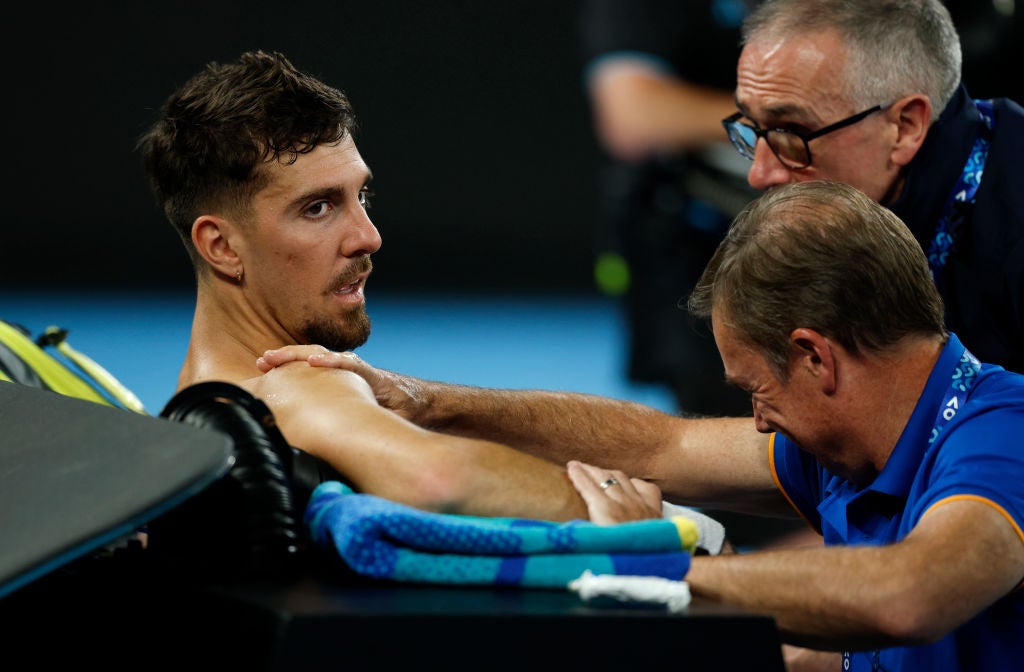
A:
x: 361, y: 266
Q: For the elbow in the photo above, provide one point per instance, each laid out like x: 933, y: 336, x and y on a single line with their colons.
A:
x: 436, y: 487
x: 911, y: 621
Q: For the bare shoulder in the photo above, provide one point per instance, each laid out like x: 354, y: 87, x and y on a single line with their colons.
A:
x: 314, y: 406
x: 300, y: 383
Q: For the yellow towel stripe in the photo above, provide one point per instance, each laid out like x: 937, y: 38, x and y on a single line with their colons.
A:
x: 689, y: 535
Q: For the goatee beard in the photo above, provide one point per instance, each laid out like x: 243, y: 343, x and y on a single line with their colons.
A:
x: 349, y: 334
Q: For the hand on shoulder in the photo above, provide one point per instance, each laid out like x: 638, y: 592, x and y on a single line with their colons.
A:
x: 398, y: 393
x: 291, y: 378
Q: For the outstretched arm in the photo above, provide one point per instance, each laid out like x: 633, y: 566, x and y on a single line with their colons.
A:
x: 333, y: 415
x: 962, y: 556
x: 720, y: 462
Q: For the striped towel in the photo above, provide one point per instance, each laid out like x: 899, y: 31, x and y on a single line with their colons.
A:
x: 387, y: 540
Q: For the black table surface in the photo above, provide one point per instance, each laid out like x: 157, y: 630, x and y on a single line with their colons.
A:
x: 325, y: 616
x: 193, y: 599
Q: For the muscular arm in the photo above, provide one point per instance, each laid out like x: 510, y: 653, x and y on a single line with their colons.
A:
x: 963, y: 556
x: 711, y: 462
x: 720, y: 463
x: 333, y: 415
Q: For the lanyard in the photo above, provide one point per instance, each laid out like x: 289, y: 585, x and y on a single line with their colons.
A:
x: 953, y: 215
x: 962, y: 380
x: 964, y: 376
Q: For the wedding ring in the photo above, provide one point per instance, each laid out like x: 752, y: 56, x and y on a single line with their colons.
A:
x: 609, y: 483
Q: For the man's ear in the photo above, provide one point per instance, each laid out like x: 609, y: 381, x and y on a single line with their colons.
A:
x: 912, y: 115
x: 814, y: 355
x: 213, y: 237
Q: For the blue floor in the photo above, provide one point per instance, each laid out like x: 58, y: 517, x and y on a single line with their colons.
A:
x: 573, y: 343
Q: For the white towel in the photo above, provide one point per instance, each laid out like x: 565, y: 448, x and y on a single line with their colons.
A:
x: 612, y: 589
x: 712, y: 532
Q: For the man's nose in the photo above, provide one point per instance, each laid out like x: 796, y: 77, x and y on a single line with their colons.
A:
x: 759, y: 423
x: 766, y: 170
x: 365, y: 238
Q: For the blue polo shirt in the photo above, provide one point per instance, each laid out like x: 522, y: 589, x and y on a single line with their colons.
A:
x: 965, y: 439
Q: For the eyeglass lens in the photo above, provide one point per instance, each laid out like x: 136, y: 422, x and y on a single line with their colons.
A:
x: 790, y: 149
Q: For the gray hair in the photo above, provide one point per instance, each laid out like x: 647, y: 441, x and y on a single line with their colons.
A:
x: 894, y: 48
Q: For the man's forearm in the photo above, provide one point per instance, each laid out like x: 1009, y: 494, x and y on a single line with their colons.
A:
x: 716, y: 462
x: 962, y: 557
x: 555, y: 425
x: 698, y: 462
x: 805, y: 602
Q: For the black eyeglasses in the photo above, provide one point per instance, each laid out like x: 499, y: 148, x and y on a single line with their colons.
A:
x: 790, y: 147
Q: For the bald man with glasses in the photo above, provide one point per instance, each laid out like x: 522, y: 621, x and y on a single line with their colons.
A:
x: 869, y: 92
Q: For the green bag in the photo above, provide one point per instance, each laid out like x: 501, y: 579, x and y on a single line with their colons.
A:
x: 49, y: 362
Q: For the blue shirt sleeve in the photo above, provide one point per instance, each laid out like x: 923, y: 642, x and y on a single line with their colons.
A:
x: 982, y: 458
x: 798, y: 477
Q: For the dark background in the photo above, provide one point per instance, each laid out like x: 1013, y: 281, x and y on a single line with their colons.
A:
x: 472, y: 114
x: 472, y: 118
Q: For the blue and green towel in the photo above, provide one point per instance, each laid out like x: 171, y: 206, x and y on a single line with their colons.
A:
x: 387, y: 540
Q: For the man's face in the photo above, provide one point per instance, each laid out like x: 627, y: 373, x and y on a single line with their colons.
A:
x: 307, y: 250
x: 797, y: 84
x: 793, y: 407
x: 750, y: 371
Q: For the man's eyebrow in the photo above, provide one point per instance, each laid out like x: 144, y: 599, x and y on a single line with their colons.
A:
x: 775, y: 112
x: 734, y: 382
x: 332, y: 192
x: 316, y: 195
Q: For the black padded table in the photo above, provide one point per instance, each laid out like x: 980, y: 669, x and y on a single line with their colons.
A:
x: 129, y: 621
x: 318, y: 624
x: 75, y: 475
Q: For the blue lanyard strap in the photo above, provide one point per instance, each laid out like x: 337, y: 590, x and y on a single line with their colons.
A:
x: 948, y: 229
x: 962, y: 380
x: 964, y: 376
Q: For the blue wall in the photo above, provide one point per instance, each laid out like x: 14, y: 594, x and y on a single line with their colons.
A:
x: 555, y: 342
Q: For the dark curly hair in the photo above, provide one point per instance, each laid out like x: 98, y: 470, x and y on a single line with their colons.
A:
x: 213, y: 135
